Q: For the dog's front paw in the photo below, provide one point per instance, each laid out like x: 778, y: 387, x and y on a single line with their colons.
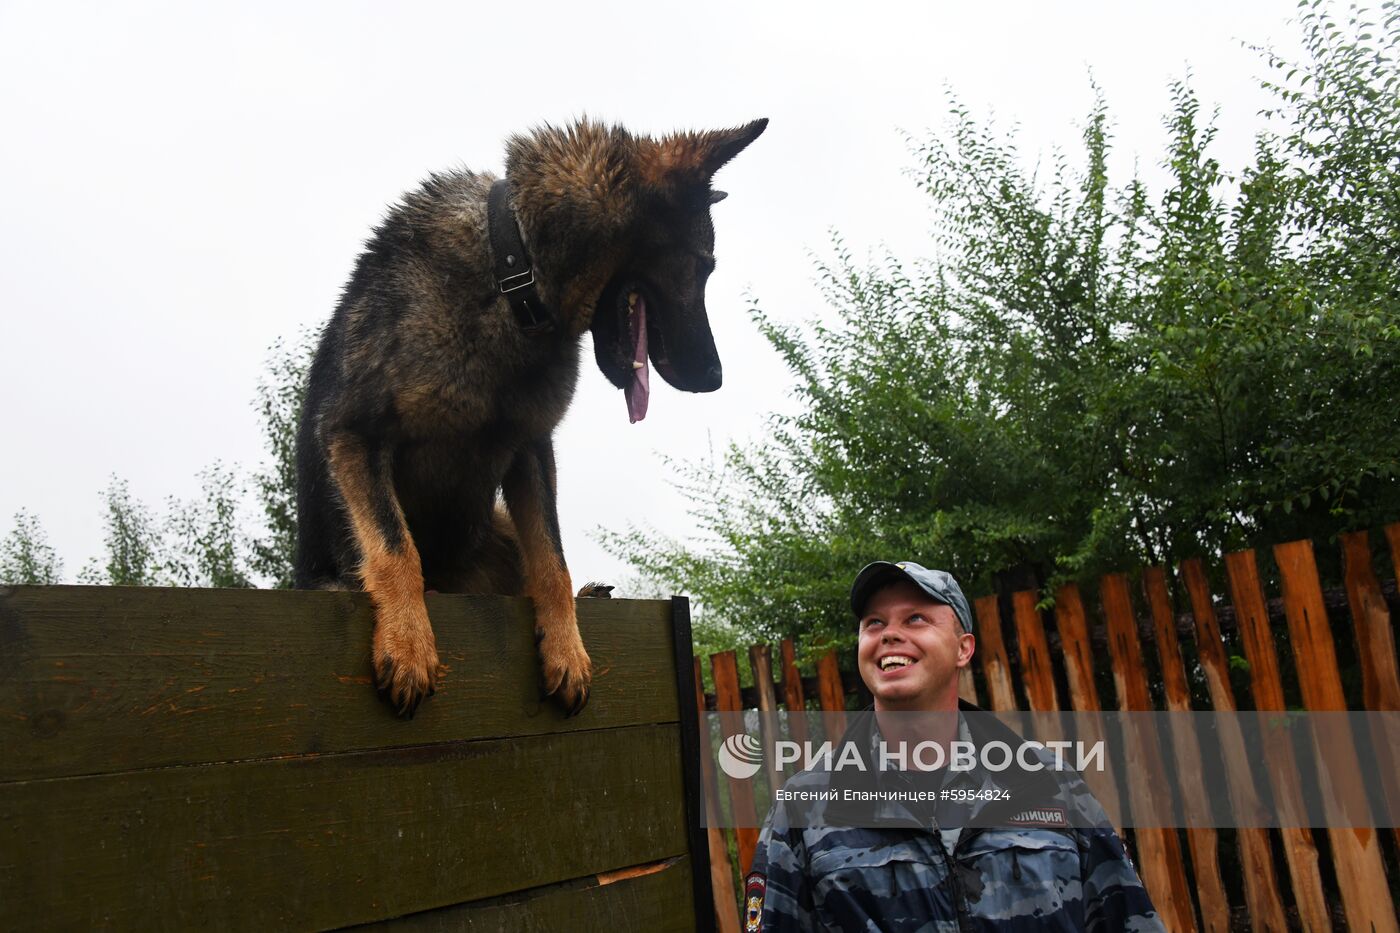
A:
x: 568, y: 673
x: 406, y: 666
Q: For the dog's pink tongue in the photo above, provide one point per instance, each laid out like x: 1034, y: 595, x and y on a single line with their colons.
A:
x: 639, y: 389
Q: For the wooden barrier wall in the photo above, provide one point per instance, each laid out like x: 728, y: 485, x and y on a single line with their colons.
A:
x: 1151, y: 625
x: 218, y: 758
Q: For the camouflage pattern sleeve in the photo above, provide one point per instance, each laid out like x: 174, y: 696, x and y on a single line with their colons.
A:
x: 1114, y: 898
x: 776, y: 894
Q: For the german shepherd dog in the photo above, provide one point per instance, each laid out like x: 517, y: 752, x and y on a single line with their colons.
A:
x: 431, y: 393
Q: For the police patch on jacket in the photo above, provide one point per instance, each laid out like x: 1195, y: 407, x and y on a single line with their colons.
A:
x: 754, y: 886
x: 1039, y: 817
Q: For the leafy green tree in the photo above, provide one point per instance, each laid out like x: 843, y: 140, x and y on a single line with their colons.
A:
x: 204, y: 542
x: 1342, y: 131
x: 279, y: 400
x: 195, y: 543
x: 207, y: 546
x: 133, y: 542
x: 26, y: 555
x: 1084, y: 376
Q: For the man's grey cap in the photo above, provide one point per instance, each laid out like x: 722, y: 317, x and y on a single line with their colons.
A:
x: 938, y: 584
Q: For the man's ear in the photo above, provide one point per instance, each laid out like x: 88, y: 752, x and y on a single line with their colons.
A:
x: 967, y: 647
x: 690, y: 159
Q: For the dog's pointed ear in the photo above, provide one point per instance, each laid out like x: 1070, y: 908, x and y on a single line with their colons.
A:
x: 689, y: 159
x: 722, y: 145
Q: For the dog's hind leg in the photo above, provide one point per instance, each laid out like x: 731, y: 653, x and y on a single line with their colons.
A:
x: 406, y: 665
x: 530, y: 496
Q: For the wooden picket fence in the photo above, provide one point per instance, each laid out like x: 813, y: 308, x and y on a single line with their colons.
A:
x: 1327, y: 879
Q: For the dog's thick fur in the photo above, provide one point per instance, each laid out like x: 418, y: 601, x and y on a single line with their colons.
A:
x: 426, y: 399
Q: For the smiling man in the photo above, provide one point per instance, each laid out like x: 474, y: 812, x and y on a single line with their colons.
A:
x: 907, y: 841
x: 915, y: 636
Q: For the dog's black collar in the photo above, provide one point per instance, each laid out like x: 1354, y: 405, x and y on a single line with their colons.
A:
x: 515, y: 276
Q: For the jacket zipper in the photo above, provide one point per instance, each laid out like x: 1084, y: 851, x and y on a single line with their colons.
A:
x: 959, y: 897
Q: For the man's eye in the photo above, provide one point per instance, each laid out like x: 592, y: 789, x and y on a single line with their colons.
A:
x: 871, y: 623
x: 917, y: 618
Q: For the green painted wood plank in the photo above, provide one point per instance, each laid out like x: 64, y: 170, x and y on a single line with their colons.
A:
x: 331, y: 840
x: 656, y: 902
x: 103, y: 679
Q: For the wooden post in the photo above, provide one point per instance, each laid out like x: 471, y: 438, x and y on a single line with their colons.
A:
x: 1158, y: 847
x: 1375, y: 646
x: 1076, y: 649
x: 726, y: 902
x: 996, y: 669
x: 1036, y: 675
x: 1355, y: 850
x: 1210, y: 644
x: 1205, y: 854
x: 725, y: 669
x: 761, y: 663
x: 792, y: 693
x: 833, y: 695
x: 1261, y: 890
x: 1078, y: 656
x: 1375, y: 639
x: 1252, y: 617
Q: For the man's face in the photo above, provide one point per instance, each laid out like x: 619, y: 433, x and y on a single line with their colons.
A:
x: 911, y: 649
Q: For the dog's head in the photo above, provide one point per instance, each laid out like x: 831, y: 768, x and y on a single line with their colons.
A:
x: 652, y: 310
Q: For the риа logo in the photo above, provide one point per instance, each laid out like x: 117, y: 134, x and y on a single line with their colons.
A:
x: 740, y: 756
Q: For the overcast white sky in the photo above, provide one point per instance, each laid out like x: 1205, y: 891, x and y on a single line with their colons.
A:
x: 181, y: 184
